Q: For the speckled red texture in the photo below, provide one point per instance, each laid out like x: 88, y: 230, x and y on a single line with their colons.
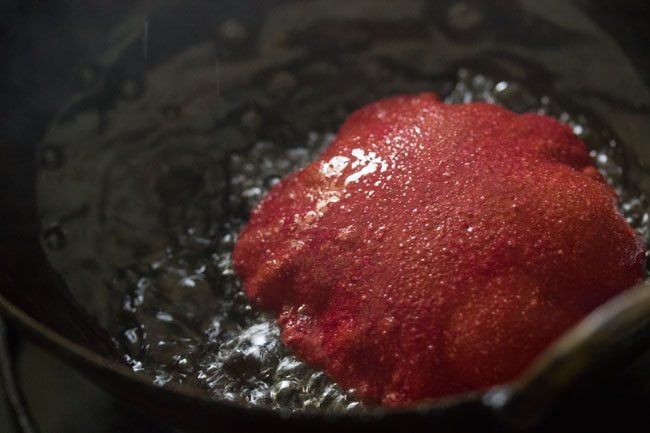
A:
x: 435, y: 249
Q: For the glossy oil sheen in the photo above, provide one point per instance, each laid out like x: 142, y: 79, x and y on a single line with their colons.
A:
x: 167, y: 223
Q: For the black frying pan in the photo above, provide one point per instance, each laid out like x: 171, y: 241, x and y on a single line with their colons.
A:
x: 64, y: 60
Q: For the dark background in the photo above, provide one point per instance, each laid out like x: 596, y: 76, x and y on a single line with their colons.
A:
x: 64, y: 402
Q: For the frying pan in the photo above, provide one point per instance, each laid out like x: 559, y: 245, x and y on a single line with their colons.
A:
x: 65, y: 59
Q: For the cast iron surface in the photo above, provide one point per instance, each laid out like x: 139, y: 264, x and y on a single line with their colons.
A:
x: 61, y: 400
x: 13, y: 393
x: 36, y: 299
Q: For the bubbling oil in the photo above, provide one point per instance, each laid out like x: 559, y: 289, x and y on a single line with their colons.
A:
x: 237, y: 355
x: 182, y: 315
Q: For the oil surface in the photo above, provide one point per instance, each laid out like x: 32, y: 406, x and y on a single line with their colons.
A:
x: 162, y: 233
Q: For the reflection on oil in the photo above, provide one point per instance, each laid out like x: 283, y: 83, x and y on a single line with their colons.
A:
x: 188, y: 320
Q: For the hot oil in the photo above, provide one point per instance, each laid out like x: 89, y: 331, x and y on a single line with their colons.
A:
x: 239, y: 356
x: 169, y: 215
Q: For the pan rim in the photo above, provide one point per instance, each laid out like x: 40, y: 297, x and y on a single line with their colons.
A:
x: 74, y: 353
x: 622, y: 318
